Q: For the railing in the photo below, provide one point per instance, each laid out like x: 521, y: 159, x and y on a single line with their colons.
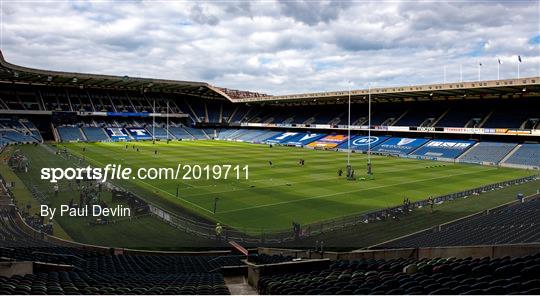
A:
x: 262, y: 236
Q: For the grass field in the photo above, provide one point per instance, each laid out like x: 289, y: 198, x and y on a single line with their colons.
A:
x: 275, y: 196
x: 143, y: 232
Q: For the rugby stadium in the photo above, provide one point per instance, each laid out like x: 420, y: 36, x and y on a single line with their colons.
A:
x: 131, y: 185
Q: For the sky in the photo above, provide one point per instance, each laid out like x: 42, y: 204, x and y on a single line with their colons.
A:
x: 277, y: 47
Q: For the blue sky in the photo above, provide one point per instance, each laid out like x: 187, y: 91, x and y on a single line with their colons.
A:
x: 277, y: 47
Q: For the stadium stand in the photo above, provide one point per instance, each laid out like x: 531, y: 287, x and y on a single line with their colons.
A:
x: 487, y: 152
x: 421, y: 115
x: 70, y: 133
x: 13, y: 130
x: 227, y: 134
x: 525, y: 155
x: 465, y: 114
x: 449, y: 149
x: 196, y: 133
x: 406, y: 121
x: 506, y: 115
x: 91, y: 272
x: 180, y: 133
x: 400, y: 146
x: 95, y: 134
x: 17, y: 137
x: 507, y: 225
x: 159, y: 132
x: 412, y: 276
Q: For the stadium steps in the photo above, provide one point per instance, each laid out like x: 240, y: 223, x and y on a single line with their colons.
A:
x: 238, y: 285
x: 233, y: 114
x: 389, y: 121
x: 361, y: 121
x: 82, y: 134
x: 418, y: 148
x: 245, y: 117
x: 197, y: 119
x: 205, y: 133
x: 5, y: 106
x: 107, y: 134
x: 55, y: 133
x: 25, y: 127
x: 440, y: 117
x: 486, y: 118
x: 427, y: 122
x: 131, y: 103
x: 206, y: 118
x: 467, y: 151
x: 399, y: 118
x: 32, y: 129
x: 236, y: 134
x: 510, y: 153
x: 269, y: 119
x: 220, y: 112
x: 310, y: 120
x: 335, y: 120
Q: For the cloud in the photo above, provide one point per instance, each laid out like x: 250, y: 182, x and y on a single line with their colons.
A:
x: 200, y: 16
x: 276, y: 47
x: 313, y: 12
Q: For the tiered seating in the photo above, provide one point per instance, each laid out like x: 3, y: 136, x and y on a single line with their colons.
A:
x: 94, y: 273
x: 95, y: 134
x: 425, y: 276
x: 160, y: 132
x: 13, y: 131
x: 249, y: 135
x: 506, y: 115
x: 210, y: 132
x: 491, y: 152
x: 180, y: 133
x: 443, y: 148
x: 419, y: 114
x: 225, y: 134
x: 527, y: 154
x: 264, y: 136
x: 514, y: 224
x: 464, y: 114
x: 55, y: 283
x: 17, y: 137
x: 70, y: 133
x: 196, y: 133
x: 32, y: 128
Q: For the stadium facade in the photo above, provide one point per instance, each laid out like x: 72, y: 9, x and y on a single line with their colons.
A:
x: 490, y: 122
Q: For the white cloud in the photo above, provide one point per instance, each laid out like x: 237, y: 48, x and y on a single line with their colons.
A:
x: 275, y: 47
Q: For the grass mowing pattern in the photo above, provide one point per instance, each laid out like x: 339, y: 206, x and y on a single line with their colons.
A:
x: 315, y: 192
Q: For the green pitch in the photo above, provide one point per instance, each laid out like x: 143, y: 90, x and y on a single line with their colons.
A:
x: 276, y: 195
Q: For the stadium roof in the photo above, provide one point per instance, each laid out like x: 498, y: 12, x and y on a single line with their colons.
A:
x: 457, y: 90
x: 18, y: 74
x: 446, y: 91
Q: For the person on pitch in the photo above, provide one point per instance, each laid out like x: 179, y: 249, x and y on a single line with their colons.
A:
x: 219, y: 230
